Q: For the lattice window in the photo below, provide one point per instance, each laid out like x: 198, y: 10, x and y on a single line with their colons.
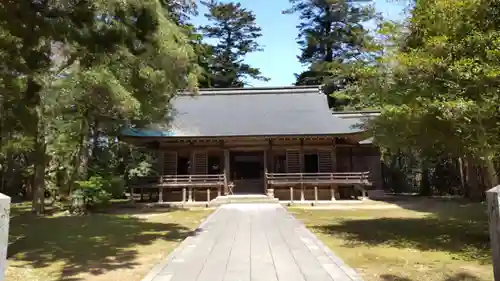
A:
x: 293, y: 161
x: 170, y: 163
x: 200, y: 162
x: 325, y: 161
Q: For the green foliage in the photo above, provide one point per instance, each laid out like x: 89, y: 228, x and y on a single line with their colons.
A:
x: 333, y: 41
x: 236, y: 32
x: 438, y: 84
x: 75, y: 73
x: 94, y: 191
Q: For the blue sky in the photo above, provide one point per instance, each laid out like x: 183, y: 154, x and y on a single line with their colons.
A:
x: 278, y: 61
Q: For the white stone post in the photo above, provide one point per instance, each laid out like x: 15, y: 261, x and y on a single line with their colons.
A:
x: 492, y: 196
x: 4, y: 232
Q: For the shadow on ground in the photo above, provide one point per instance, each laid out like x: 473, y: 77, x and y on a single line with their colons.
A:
x: 442, y: 207
x: 466, y: 238
x: 95, y: 243
x: 456, y: 277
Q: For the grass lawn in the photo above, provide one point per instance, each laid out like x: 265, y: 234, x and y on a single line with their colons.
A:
x: 422, y: 240
x: 104, y: 247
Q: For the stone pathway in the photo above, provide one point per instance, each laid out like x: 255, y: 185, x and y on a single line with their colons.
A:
x: 257, y: 242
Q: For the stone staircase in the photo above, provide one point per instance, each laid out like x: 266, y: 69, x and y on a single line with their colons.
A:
x: 242, y: 199
x: 248, y: 186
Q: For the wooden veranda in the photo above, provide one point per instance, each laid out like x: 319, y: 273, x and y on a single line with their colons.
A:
x: 213, y: 186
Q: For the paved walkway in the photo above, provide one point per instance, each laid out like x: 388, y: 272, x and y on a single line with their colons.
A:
x: 257, y: 242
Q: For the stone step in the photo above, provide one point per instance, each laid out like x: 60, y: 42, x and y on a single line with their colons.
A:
x: 242, y: 199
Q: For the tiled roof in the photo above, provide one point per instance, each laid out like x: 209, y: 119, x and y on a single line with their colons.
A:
x: 282, y: 111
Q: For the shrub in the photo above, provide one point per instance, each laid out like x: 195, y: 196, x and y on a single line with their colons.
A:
x: 115, y: 185
x: 90, y: 193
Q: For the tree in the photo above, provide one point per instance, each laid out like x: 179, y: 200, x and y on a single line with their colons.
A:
x: 439, y: 90
x: 75, y: 64
x: 331, y: 37
x: 180, y: 11
x: 236, y: 32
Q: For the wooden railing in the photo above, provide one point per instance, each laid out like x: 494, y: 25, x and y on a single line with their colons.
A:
x: 318, y: 178
x: 192, y: 180
x: 180, y: 181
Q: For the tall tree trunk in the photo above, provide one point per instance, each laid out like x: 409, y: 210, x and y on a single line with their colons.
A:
x: 475, y: 191
x: 490, y: 173
x: 95, y: 140
x: 83, y: 168
x: 39, y: 161
x: 36, y: 130
x: 81, y: 159
x: 460, y: 167
x: 425, y: 183
x: 328, y: 30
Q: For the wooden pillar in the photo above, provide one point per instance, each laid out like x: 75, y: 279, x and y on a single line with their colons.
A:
x: 334, y: 156
x: 364, y: 195
x: 350, y: 161
x: 208, y: 194
x: 301, y: 156
x: 265, y: 171
x: 270, y: 163
x: 160, y: 195
x: 301, y: 161
x: 160, y: 162
x: 190, y: 194
x: 183, y: 195
x: 315, y: 195
x: 142, y: 194
x: 291, y: 194
x: 492, y: 196
x: 227, y: 171
x: 218, y: 191
x: 332, y: 193
x: 191, y: 161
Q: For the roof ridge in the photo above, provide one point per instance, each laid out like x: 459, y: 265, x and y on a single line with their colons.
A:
x: 258, y: 90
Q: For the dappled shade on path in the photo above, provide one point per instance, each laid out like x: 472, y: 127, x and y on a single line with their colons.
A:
x: 92, y: 244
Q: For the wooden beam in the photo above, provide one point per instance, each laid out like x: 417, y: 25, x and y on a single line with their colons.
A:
x: 227, y: 171
x: 160, y: 195
x: 301, y: 155
x: 265, y: 171
x: 160, y: 158
x: 190, y: 194
x: 334, y: 155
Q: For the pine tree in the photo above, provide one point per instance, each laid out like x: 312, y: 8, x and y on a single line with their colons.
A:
x: 236, y: 32
x: 331, y: 36
x: 180, y: 11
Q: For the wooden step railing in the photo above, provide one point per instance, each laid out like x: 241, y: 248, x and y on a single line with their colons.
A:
x: 318, y: 178
x: 180, y: 181
x: 192, y: 180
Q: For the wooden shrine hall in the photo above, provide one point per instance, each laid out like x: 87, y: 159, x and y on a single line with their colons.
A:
x: 281, y: 142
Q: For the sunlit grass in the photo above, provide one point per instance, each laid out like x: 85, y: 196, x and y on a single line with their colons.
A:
x: 425, y: 240
x: 103, y: 247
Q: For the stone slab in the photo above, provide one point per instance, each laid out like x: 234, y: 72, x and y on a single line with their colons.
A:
x: 252, y: 242
x: 4, y: 232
